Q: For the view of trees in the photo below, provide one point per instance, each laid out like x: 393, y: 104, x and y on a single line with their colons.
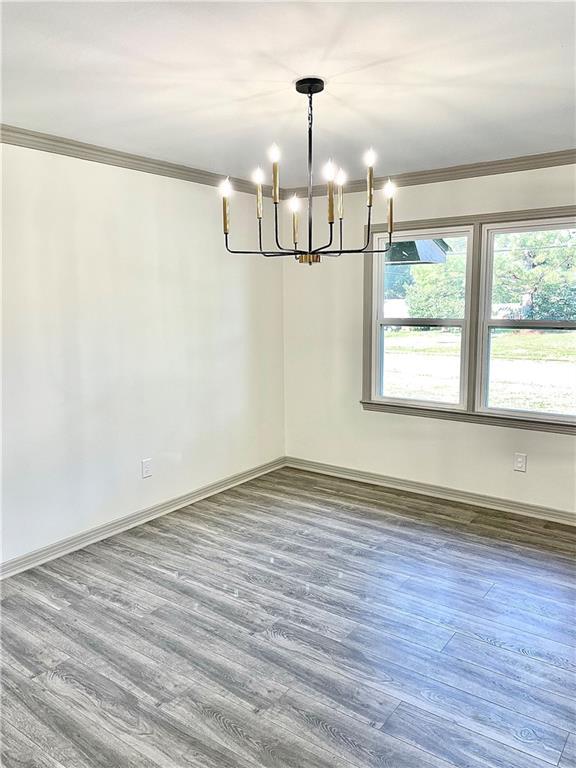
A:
x: 428, y: 296
x: 536, y: 270
x: 534, y: 278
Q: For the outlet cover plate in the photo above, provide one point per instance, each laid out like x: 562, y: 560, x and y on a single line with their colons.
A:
x: 520, y: 462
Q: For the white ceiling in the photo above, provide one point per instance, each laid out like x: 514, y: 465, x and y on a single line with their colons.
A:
x: 210, y: 84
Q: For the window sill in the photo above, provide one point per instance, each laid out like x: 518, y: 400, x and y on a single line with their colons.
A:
x: 471, y: 418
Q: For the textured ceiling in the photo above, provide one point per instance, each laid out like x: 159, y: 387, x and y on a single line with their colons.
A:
x: 210, y: 84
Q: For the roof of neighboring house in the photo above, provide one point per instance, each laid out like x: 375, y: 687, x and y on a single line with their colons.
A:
x: 419, y: 252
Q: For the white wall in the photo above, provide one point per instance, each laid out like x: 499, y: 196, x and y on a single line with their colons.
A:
x: 323, y: 342
x: 129, y: 332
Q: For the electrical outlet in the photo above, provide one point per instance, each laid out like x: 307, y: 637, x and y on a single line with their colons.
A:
x: 146, y: 468
x: 520, y: 462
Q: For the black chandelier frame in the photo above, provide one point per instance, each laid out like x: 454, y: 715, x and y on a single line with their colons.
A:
x: 311, y: 86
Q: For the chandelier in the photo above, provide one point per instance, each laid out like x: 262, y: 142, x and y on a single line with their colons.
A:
x: 304, y: 251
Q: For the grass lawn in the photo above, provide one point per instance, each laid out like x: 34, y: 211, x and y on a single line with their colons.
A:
x: 529, y: 370
x: 534, y: 345
x: 507, y: 345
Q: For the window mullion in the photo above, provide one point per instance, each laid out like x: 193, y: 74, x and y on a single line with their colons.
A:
x: 559, y: 325
x: 484, y: 294
x: 475, y: 318
x: 433, y: 322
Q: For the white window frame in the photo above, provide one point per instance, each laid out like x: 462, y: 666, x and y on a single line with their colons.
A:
x: 486, y: 322
x: 381, y: 321
x: 474, y: 351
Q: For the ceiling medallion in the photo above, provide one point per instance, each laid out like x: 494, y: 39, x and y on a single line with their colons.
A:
x: 304, y: 250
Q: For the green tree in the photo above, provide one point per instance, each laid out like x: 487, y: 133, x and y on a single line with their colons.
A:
x: 534, y: 277
x: 396, y: 279
x: 535, y: 273
x: 438, y: 290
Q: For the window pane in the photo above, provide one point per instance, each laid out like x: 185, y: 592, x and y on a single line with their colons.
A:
x: 421, y: 363
x: 533, y: 370
x: 534, y: 275
x: 434, y: 287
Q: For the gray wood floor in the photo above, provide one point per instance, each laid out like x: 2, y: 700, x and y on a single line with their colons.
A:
x: 298, y: 620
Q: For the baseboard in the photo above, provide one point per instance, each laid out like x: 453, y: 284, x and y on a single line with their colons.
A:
x: 72, y: 543
x: 438, y: 491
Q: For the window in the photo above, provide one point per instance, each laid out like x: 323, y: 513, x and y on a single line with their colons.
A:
x: 528, y: 336
x: 421, y: 309
x: 475, y: 321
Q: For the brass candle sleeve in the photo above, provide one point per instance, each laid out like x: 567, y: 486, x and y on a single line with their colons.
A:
x: 259, y: 201
x: 369, y: 185
x: 330, y: 202
x: 275, y: 183
x: 295, y: 228
x: 390, y: 215
x: 226, y: 215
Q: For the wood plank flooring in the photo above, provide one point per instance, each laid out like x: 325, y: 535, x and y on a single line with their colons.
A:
x: 298, y: 621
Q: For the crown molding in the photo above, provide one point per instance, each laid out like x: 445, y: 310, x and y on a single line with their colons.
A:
x: 496, y: 217
x: 454, y: 172
x: 46, y: 142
